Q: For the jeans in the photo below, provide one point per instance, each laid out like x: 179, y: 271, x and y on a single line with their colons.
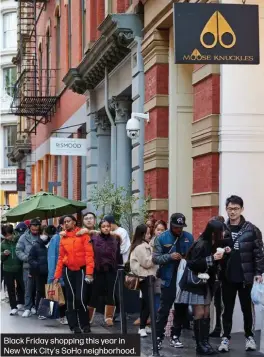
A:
x: 29, y: 283
x: 230, y: 291
x: 167, y: 298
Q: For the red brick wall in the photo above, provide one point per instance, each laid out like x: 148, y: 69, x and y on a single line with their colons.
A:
x: 46, y: 172
x: 205, y: 167
x: 33, y: 179
x: 54, y: 168
x: 156, y: 179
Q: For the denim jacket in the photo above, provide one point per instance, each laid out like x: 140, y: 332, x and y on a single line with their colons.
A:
x: 53, y: 255
x: 164, y: 246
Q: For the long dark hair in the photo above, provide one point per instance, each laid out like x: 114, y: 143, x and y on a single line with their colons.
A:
x: 139, y: 236
x: 212, y: 234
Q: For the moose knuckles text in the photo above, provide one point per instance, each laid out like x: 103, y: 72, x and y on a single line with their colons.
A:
x: 209, y: 58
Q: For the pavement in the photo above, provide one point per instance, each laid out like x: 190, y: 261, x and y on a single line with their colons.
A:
x: 17, y: 324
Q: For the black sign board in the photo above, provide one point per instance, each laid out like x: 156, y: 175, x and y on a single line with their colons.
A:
x: 216, y: 33
x: 21, y: 180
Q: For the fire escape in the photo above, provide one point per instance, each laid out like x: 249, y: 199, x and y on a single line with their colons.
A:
x: 34, y: 99
x: 35, y: 90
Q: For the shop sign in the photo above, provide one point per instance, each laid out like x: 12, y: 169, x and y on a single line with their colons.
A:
x: 68, y: 147
x: 21, y: 180
x: 216, y: 33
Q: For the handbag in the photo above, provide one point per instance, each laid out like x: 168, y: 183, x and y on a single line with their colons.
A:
x: 48, y: 309
x: 131, y: 282
x: 194, y: 280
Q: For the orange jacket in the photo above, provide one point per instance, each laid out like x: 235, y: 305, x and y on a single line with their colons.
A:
x: 75, y: 252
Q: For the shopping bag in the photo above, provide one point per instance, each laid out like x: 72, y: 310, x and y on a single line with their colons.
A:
x: 54, y: 292
x: 180, y: 271
x: 48, y: 309
x: 257, y: 293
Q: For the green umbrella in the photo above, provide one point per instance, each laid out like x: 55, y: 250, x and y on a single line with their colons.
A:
x: 43, y: 205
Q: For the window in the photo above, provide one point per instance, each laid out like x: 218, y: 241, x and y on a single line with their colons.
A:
x: 83, y: 17
x: 58, y: 53
x: 9, y: 77
x: 69, y: 33
x: 48, y: 59
x: 10, y: 134
x: 10, y: 30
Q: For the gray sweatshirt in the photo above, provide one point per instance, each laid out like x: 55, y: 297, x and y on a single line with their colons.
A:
x: 24, y: 246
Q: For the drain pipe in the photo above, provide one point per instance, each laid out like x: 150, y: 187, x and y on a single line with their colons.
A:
x: 113, y: 130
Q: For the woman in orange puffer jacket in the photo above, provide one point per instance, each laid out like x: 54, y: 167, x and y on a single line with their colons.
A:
x: 76, y: 265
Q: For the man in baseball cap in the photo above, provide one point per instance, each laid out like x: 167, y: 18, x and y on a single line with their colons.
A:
x: 169, y: 248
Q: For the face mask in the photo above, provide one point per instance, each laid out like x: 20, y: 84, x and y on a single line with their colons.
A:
x: 44, y: 238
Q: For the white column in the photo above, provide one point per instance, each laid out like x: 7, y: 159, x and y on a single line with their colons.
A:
x: 122, y: 106
x: 103, y: 133
x: 180, y: 136
x: 242, y: 139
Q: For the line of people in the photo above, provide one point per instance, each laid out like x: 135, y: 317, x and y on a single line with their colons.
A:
x: 225, y: 260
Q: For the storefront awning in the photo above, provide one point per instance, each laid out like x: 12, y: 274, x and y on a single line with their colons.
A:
x: 117, y: 32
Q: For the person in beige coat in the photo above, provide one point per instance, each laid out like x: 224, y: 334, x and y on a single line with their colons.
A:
x: 141, y: 265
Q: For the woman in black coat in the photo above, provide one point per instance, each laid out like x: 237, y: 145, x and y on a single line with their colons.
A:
x: 38, y: 263
x: 202, y: 258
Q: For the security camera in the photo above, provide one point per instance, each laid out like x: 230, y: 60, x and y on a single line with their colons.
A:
x: 133, y: 124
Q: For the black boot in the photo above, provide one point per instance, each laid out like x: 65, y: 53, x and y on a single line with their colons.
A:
x: 206, y: 329
x: 73, y: 321
x: 84, y: 320
x: 201, y: 348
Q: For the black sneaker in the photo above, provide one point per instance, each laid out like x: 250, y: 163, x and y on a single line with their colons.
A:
x: 175, y: 342
x: 87, y: 329
x: 159, y: 343
x: 77, y: 330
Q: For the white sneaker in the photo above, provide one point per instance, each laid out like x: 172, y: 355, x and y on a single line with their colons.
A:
x: 27, y: 313
x: 142, y: 332
x: 63, y: 320
x: 20, y: 307
x: 175, y: 342
x: 148, y: 329
x: 41, y: 317
x: 250, y: 344
x: 33, y: 311
x: 13, y: 312
x: 224, y: 346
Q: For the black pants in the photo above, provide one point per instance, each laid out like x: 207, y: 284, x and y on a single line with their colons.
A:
x: 41, y: 281
x: 144, y: 302
x: 167, y: 298
x: 63, y: 307
x: 230, y: 291
x: 15, y: 293
x: 104, y: 285
x: 218, y: 306
x: 75, y: 287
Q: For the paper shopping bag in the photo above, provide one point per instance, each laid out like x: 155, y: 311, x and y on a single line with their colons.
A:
x: 61, y: 300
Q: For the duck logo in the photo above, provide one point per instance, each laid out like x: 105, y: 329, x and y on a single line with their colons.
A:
x: 216, y: 33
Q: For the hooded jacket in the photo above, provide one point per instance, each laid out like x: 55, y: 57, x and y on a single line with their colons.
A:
x: 24, y: 246
x: 75, y: 253
x: 53, y: 256
x: 11, y: 263
x: 164, y: 246
x: 250, y: 249
x: 38, y: 258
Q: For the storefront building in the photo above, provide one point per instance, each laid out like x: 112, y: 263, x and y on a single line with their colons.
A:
x: 205, y: 138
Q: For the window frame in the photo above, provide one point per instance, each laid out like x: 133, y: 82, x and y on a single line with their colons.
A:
x: 83, y: 18
x: 8, y: 148
x: 3, y: 84
x: 69, y: 20
x: 5, y: 31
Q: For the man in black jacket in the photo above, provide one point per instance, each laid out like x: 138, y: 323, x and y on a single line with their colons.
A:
x: 244, y: 265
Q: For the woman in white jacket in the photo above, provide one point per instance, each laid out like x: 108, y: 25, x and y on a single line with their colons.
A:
x: 141, y: 265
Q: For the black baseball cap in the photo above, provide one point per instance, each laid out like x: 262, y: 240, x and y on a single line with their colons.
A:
x: 35, y: 222
x: 178, y: 220
x: 110, y: 219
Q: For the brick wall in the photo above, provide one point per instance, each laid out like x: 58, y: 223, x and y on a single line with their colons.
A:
x: 156, y: 67
x: 64, y: 180
x: 205, y: 165
x: 33, y: 179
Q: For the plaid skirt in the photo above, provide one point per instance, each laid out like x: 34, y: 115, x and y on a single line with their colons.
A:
x: 186, y: 297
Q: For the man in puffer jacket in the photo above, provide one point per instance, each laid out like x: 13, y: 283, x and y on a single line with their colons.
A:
x: 169, y: 248
x: 245, y: 264
x: 23, y: 248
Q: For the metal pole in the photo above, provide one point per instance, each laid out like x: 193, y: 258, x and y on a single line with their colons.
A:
x: 152, y: 316
x: 121, y: 278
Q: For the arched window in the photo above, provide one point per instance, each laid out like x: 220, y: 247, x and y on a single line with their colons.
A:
x: 40, y: 65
